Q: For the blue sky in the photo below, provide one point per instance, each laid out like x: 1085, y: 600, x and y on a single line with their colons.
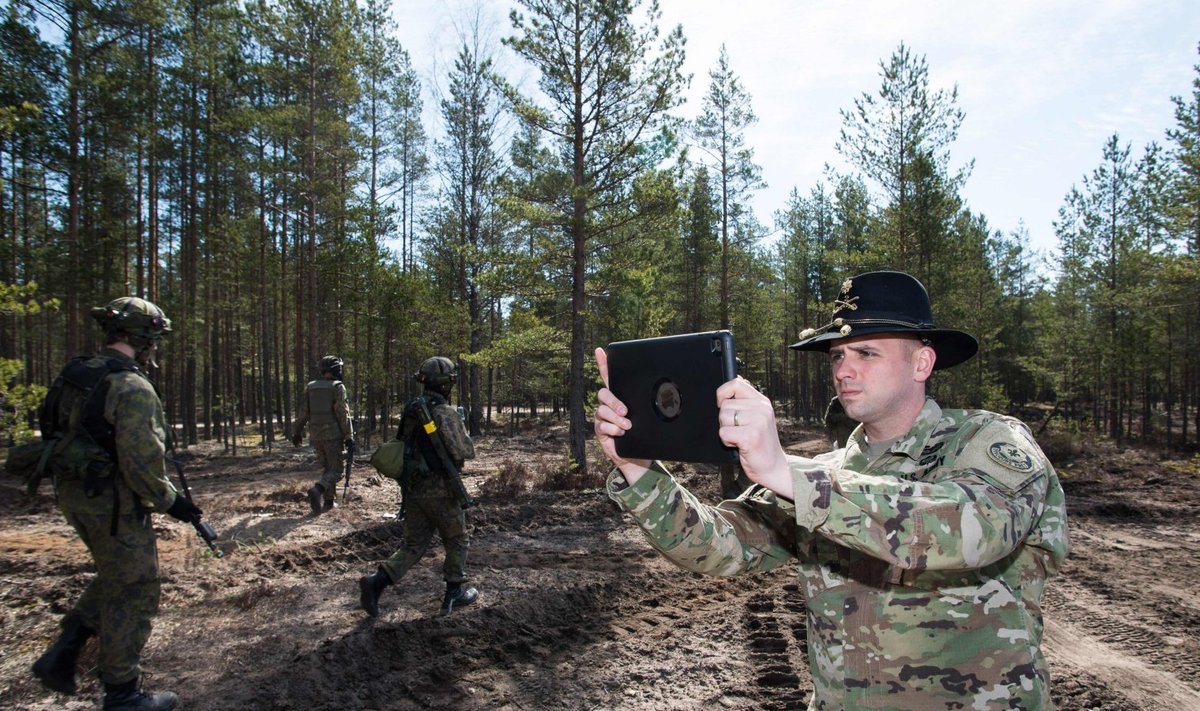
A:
x: 1043, y: 83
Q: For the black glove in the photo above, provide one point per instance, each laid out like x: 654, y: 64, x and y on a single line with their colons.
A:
x: 296, y: 440
x: 349, y: 445
x: 184, y: 510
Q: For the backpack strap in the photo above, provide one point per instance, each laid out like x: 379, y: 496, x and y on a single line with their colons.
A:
x: 418, y: 443
x: 87, y: 418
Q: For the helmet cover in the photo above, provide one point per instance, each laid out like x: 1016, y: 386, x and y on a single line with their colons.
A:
x: 141, y: 319
x: 437, y: 372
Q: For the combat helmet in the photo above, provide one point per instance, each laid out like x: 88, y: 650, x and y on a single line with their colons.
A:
x: 330, y: 364
x: 438, y: 373
x: 141, y: 320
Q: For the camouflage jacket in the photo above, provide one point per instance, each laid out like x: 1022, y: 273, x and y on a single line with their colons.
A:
x: 324, y: 407
x: 133, y: 409
x: 923, y: 570
x: 429, y: 481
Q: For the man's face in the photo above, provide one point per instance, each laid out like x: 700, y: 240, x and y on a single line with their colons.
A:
x: 879, y: 379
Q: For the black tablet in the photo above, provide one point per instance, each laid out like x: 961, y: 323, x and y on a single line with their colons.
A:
x: 670, y: 386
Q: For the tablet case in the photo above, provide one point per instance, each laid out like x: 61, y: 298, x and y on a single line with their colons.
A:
x: 670, y: 386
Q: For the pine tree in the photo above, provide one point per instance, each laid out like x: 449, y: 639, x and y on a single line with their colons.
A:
x: 900, y: 140
x: 699, y: 244
x: 471, y: 165
x: 725, y: 116
x: 1184, y: 220
x: 608, y: 89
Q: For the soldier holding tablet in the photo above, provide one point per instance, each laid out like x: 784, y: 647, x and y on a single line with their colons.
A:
x: 923, y: 546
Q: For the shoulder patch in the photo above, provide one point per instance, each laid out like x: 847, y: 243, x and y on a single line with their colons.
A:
x: 1001, y: 454
x: 1008, y: 455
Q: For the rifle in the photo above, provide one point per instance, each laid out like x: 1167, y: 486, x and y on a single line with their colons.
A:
x: 203, y: 530
x: 349, y: 463
x: 455, y: 477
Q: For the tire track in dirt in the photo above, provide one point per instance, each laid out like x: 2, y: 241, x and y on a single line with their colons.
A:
x: 1127, y: 638
x: 365, y: 547
x: 775, y: 649
x: 1071, y: 649
x: 1130, y: 609
x: 576, y: 611
x: 1122, y: 613
x: 588, y: 637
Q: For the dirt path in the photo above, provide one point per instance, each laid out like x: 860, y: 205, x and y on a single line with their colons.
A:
x: 575, y: 612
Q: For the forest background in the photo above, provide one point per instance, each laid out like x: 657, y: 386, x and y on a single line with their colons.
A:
x: 266, y: 173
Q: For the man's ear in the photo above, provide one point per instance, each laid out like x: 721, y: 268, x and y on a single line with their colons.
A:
x: 924, y: 359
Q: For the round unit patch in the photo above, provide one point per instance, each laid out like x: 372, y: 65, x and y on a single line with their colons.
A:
x: 1011, y: 456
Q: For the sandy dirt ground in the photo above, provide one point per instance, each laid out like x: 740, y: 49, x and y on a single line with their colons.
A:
x: 575, y: 610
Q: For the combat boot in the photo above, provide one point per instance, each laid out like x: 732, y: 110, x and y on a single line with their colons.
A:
x: 129, y: 697
x: 315, y: 494
x: 56, y: 668
x: 370, y: 588
x: 458, y: 596
x: 329, y: 505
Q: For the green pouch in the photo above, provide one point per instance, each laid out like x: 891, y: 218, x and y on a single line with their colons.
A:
x: 388, y: 459
x: 25, y: 461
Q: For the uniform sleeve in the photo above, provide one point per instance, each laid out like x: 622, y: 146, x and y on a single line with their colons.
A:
x: 341, y: 411
x: 752, y: 533
x: 454, y: 434
x: 969, y: 515
x: 136, y: 415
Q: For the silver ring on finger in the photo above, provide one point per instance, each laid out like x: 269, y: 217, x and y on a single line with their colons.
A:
x: 735, y: 419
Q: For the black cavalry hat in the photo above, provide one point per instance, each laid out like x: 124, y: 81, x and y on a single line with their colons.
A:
x: 888, y: 302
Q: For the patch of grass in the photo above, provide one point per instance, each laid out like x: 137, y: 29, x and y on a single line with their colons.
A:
x: 1188, y: 467
x: 257, y: 544
x: 513, y: 478
x: 563, y: 476
x: 1060, y: 445
x: 247, y: 599
x: 545, y: 473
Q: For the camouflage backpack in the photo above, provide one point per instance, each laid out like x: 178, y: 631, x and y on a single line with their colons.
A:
x: 84, y: 448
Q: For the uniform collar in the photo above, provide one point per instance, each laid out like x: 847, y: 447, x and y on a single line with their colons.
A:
x: 913, y: 444
x: 113, y: 353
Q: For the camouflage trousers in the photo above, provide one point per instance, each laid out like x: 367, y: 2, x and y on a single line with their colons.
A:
x: 329, y: 456
x: 122, y: 599
x: 422, y: 518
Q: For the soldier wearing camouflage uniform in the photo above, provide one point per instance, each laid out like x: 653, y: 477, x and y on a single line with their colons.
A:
x: 324, y: 406
x: 924, y: 545
x: 429, y: 504
x: 114, y: 521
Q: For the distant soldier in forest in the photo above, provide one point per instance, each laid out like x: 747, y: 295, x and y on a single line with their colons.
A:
x: 324, y: 407
x: 107, y: 403
x: 436, y: 445
x: 838, y: 424
x: 923, y: 546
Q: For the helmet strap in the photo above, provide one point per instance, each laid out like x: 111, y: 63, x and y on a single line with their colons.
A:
x: 141, y: 347
x: 145, y: 356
